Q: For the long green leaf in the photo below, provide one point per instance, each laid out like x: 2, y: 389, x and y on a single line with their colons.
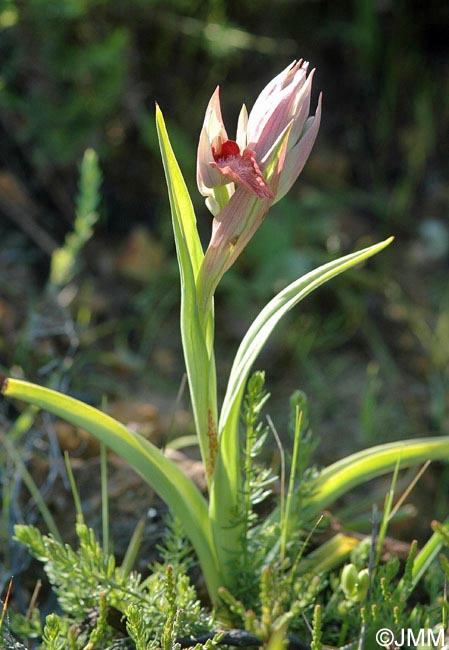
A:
x: 179, y: 493
x: 197, y: 344
x: 225, y: 491
x: 181, y: 204
x: 356, y: 469
x: 271, y: 314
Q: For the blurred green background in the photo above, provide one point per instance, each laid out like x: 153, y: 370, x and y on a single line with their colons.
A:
x: 371, y: 350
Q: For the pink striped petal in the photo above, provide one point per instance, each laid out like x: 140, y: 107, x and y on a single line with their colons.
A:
x: 213, y: 129
x: 296, y: 158
x: 271, y: 118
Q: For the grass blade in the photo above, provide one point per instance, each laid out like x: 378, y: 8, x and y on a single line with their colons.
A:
x: 271, y: 314
x: 196, y: 343
x: 32, y: 489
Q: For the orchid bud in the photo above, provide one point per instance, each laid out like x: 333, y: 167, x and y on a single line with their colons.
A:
x: 223, y: 163
x: 242, y: 178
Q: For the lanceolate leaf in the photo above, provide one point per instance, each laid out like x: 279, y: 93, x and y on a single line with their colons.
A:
x: 183, y: 215
x: 178, y: 492
x: 271, y: 314
x: 197, y: 348
x: 226, y: 491
x: 342, y: 476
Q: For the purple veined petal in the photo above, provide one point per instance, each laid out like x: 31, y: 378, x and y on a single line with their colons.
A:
x: 232, y: 228
x: 213, y: 128
x: 213, y: 121
x: 296, y: 158
x: 302, y: 110
x: 280, y: 111
x: 271, y: 152
x: 259, y: 108
x: 207, y: 177
x: 276, y: 131
x: 242, y: 127
x: 272, y: 94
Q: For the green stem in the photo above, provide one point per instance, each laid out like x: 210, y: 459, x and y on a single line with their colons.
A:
x: 291, y: 484
x: 221, y: 195
x: 73, y: 487
x: 427, y: 555
x: 33, y: 490
x: 386, y: 514
x: 104, y: 497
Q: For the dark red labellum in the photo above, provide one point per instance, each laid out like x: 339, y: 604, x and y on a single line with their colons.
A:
x: 228, y: 148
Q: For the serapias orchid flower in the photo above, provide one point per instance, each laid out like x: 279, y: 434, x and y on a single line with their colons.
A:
x: 242, y: 178
x: 223, y: 163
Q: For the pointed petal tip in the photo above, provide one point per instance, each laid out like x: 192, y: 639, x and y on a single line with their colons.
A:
x: 319, y: 107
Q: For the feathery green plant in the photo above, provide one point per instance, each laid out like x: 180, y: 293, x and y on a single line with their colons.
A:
x: 64, y: 259
x: 88, y: 579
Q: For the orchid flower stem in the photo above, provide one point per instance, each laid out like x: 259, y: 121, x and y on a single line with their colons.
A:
x: 74, y: 488
x: 386, y: 514
x: 104, y: 497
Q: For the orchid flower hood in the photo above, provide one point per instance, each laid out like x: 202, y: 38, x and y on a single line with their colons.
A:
x: 223, y: 164
x: 242, y: 178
